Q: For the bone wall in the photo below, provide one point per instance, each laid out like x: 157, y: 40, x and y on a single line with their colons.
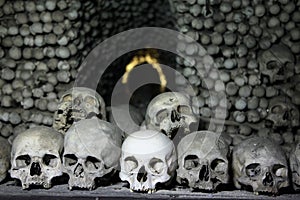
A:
x: 244, y: 38
x: 44, y: 42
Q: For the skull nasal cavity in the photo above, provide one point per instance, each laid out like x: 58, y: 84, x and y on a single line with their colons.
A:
x: 268, y: 180
x: 35, y: 169
x: 142, y: 175
x: 204, y: 173
x: 175, y: 116
x: 78, y: 170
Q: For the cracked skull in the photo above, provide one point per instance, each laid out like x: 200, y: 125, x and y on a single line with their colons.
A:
x: 277, y: 63
x: 35, y: 156
x: 4, y: 158
x: 148, y: 157
x: 92, y: 150
x: 282, y: 113
x: 76, y: 104
x: 261, y: 164
x: 295, y: 166
x: 203, y: 160
x: 168, y: 112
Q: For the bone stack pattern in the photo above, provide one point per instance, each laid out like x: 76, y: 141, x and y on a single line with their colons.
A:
x: 44, y: 42
x: 42, y: 45
x: 253, y: 47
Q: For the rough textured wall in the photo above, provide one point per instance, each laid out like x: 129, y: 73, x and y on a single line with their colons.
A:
x: 44, y: 42
x: 255, y: 46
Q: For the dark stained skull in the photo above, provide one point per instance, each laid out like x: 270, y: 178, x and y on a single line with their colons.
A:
x: 76, y: 104
x: 261, y: 164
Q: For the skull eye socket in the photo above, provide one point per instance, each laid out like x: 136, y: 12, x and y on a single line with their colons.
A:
x: 253, y: 170
x: 279, y: 170
x: 277, y: 110
x: 219, y: 166
x: 92, y: 163
x: 90, y: 101
x: 130, y: 164
x: 50, y: 160
x: 191, y: 162
x: 273, y: 65
x: 70, y: 159
x: 23, y: 161
x: 156, y: 166
x: 183, y: 109
x: 161, y: 115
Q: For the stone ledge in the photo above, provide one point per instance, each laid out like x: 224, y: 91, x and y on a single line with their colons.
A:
x: 61, y: 192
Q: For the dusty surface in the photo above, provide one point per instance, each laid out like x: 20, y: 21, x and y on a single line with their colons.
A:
x: 10, y: 191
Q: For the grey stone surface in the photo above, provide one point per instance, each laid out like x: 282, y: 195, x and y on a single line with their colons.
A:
x: 119, y: 191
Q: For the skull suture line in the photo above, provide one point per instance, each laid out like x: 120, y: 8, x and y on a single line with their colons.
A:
x: 277, y: 63
x: 168, y: 112
x: 203, y: 160
x: 92, y: 150
x: 35, y: 156
x: 76, y: 104
x: 261, y: 164
x: 282, y: 113
x: 4, y: 158
x: 148, y: 157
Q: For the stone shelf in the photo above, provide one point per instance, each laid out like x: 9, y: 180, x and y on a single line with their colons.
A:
x: 118, y: 191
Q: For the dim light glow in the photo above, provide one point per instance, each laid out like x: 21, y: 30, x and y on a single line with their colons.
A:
x: 137, y: 60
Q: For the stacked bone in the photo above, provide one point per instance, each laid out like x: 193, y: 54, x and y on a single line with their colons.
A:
x: 242, y: 36
x: 42, y: 45
x: 119, y: 16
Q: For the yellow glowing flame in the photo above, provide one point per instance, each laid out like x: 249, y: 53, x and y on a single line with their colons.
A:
x: 137, y: 60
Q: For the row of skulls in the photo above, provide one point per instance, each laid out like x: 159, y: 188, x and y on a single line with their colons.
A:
x: 87, y: 148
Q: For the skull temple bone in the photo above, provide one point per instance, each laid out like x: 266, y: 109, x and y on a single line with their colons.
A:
x: 277, y: 63
x: 76, y: 104
x: 203, y: 160
x: 261, y: 164
x: 92, y: 150
x: 4, y: 158
x: 282, y: 113
x: 35, y: 156
x: 148, y: 158
x: 168, y: 112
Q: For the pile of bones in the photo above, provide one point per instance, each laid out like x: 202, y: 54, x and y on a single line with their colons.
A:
x: 255, y: 46
x: 88, y: 148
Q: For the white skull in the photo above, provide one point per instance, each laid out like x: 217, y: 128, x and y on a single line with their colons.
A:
x: 295, y: 166
x: 277, y: 63
x: 261, y: 164
x: 203, y: 160
x: 35, y: 156
x: 92, y: 150
x: 76, y: 104
x: 282, y: 113
x: 4, y: 158
x: 168, y: 112
x: 148, y: 157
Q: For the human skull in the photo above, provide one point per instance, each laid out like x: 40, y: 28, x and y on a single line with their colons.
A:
x: 203, y: 160
x: 282, y: 113
x: 148, y: 157
x: 295, y: 166
x: 277, y: 63
x: 76, y: 104
x: 261, y: 164
x: 92, y: 150
x: 168, y: 112
x: 4, y: 158
x: 35, y: 156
